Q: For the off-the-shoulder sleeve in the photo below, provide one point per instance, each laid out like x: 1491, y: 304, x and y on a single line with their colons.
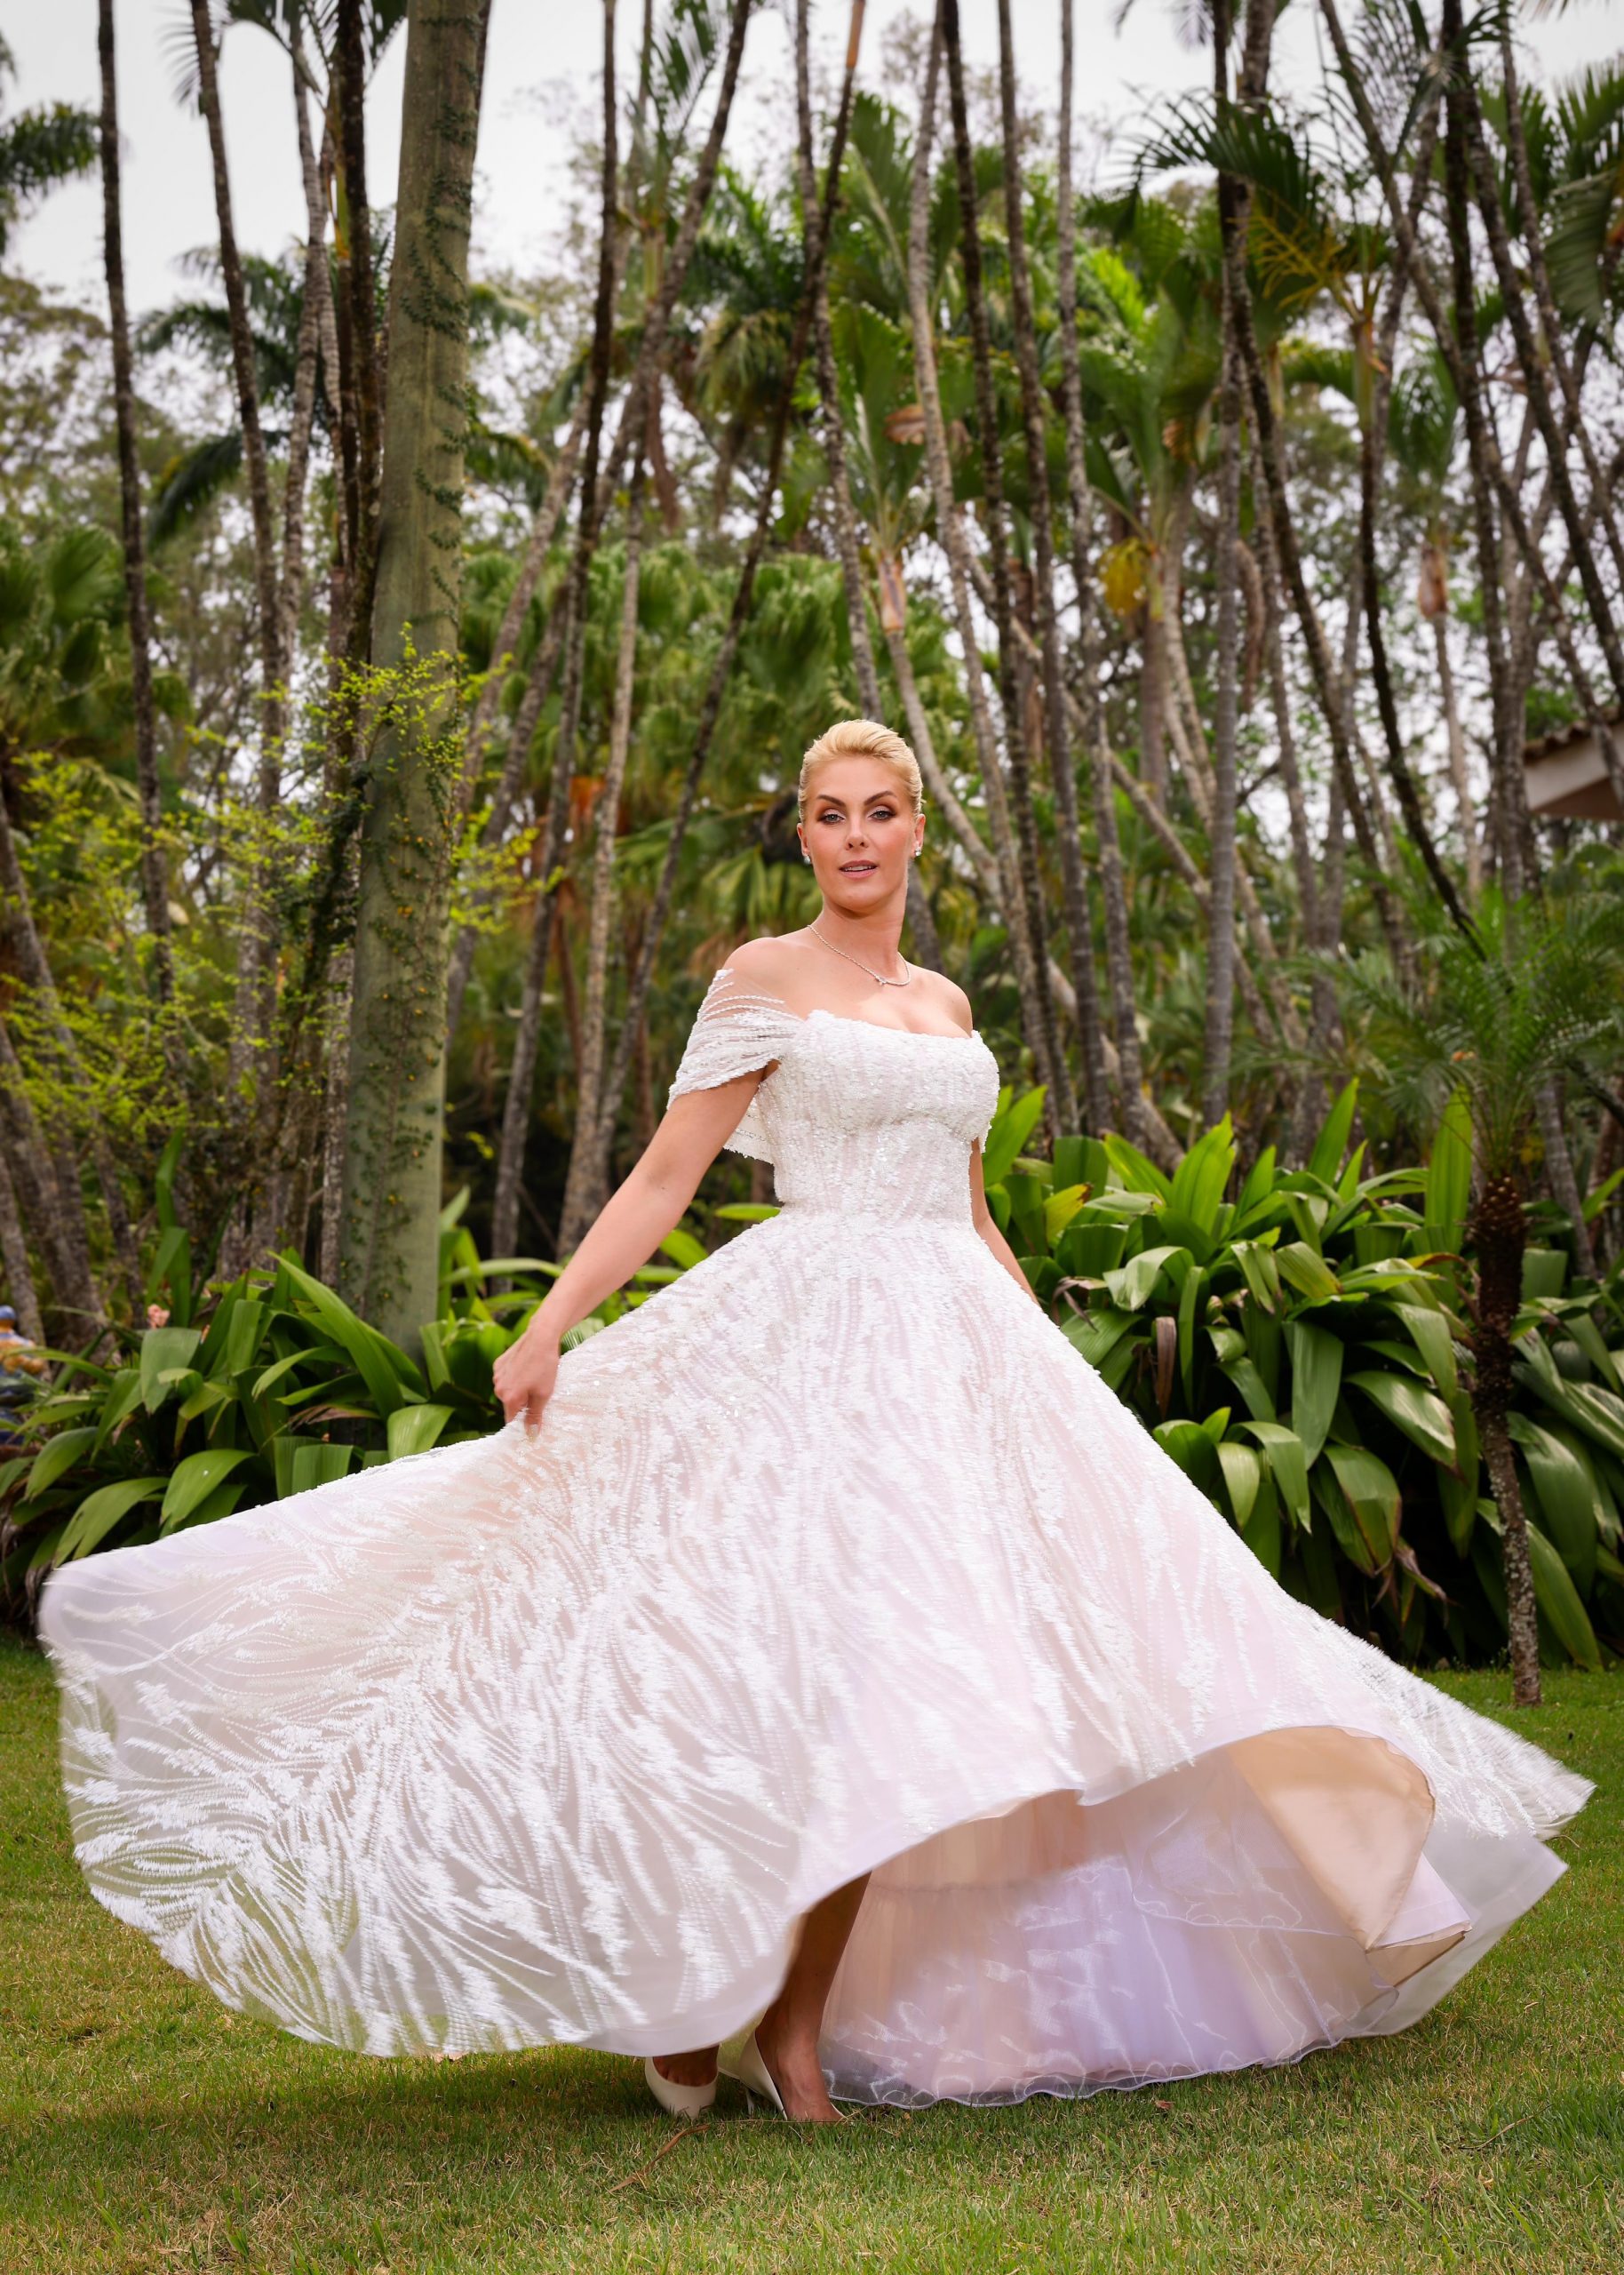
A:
x: 739, y: 1026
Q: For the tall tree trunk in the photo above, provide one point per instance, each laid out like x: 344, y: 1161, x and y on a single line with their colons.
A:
x: 1009, y: 897
x: 51, y: 1203
x: 639, y: 393
x: 392, y: 1182
x: 823, y: 346
x: 17, y: 925
x: 1219, y: 1039
x: 19, y: 1290
x: 301, y: 424
x: 360, y: 385
x: 154, y: 877
x: 1060, y: 1102
x: 1465, y: 810
x: 257, y: 949
x: 584, y: 1194
x: 527, y: 1037
x: 1119, y: 937
x: 1499, y: 1236
x: 1063, y: 775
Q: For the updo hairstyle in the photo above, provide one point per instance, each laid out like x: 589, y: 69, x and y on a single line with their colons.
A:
x: 863, y: 738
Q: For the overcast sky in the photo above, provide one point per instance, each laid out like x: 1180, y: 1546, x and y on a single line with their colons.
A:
x: 542, y: 69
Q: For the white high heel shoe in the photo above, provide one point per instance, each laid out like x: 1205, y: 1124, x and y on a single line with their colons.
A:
x: 678, y: 2100
x: 753, y: 2073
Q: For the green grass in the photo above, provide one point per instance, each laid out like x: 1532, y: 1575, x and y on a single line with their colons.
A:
x: 146, y: 2127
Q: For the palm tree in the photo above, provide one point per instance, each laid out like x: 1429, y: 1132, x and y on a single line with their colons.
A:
x: 39, y: 149
x: 1496, y: 1026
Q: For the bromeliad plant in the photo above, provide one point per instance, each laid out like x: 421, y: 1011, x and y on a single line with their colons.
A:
x: 1302, y: 1352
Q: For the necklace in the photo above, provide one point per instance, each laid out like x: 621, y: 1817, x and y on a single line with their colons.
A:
x: 878, y: 976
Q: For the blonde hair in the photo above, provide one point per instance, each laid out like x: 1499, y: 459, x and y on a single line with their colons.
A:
x: 863, y: 738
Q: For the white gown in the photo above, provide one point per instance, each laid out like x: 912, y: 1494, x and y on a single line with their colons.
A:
x: 833, y: 1556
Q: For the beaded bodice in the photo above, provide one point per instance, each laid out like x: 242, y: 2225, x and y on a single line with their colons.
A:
x: 854, y: 1115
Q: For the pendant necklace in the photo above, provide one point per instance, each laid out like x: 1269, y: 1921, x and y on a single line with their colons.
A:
x: 878, y: 976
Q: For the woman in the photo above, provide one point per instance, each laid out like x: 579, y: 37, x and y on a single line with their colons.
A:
x: 822, y: 1677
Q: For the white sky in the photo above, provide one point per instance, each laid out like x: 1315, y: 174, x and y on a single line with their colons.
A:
x: 542, y: 69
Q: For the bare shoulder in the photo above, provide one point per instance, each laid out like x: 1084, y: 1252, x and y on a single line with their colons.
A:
x: 767, y: 962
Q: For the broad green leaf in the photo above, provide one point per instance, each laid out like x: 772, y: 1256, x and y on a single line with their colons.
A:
x: 1545, y: 1271
x: 1138, y: 1174
x: 56, y: 1458
x: 1289, y: 1463
x: 1420, y: 1413
x: 1189, y: 1299
x: 1558, y: 1600
x: 313, y: 1464
x: 1260, y: 1272
x: 1243, y: 1474
x: 121, y: 1399
x: 195, y: 1478
x: 1089, y: 1250
x: 1262, y: 1530
x: 387, y: 1371
x: 683, y: 1249
x: 1588, y: 1337
x: 1199, y: 1180
x: 1258, y: 1186
x: 1564, y: 1487
x: 1317, y: 1381
x: 413, y: 1429
x: 1059, y: 1209
x: 1190, y: 1447
x: 1010, y: 1130
x: 1429, y: 1333
x: 1372, y: 1493
x: 1309, y: 1274
x: 164, y: 1350
x: 1449, y: 1177
x: 1096, y: 1333
x: 247, y: 1325
x: 97, y: 1514
x: 1131, y: 1286
x: 1216, y: 1423
x: 1460, y: 1494
x: 1250, y: 1383
x: 1332, y: 1142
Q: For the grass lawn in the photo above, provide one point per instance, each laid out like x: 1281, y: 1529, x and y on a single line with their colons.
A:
x: 145, y: 2127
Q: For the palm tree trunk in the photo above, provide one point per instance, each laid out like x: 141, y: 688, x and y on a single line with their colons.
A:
x: 360, y: 385
x: 527, y: 1038
x: 823, y: 346
x: 584, y: 1194
x: 301, y: 425
x: 1060, y: 1100
x: 640, y: 395
x: 154, y: 877
x: 1465, y: 810
x: 1499, y: 1235
x: 1063, y: 775
x: 20, y: 1289
x: 393, y: 1138
x: 1219, y: 1038
x: 253, y: 999
x: 1113, y: 890
x: 1009, y: 896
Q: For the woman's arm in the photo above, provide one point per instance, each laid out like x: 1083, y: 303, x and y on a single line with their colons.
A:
x: 986, y: 1224
x: 625, y: 1234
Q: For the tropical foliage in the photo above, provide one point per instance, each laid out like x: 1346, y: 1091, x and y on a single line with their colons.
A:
x: 1229, y: 515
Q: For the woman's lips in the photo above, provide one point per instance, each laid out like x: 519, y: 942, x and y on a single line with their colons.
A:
x: 857, y: 868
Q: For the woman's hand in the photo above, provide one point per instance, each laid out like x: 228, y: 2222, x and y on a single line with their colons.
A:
x: 525, y: 1374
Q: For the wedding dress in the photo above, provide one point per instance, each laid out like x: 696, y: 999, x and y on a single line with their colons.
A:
x: 833, y: 1556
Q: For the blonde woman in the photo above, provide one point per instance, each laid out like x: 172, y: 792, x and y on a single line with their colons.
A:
x: 821, y: 1678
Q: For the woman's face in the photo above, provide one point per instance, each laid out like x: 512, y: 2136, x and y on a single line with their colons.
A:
x: 859, y: 830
